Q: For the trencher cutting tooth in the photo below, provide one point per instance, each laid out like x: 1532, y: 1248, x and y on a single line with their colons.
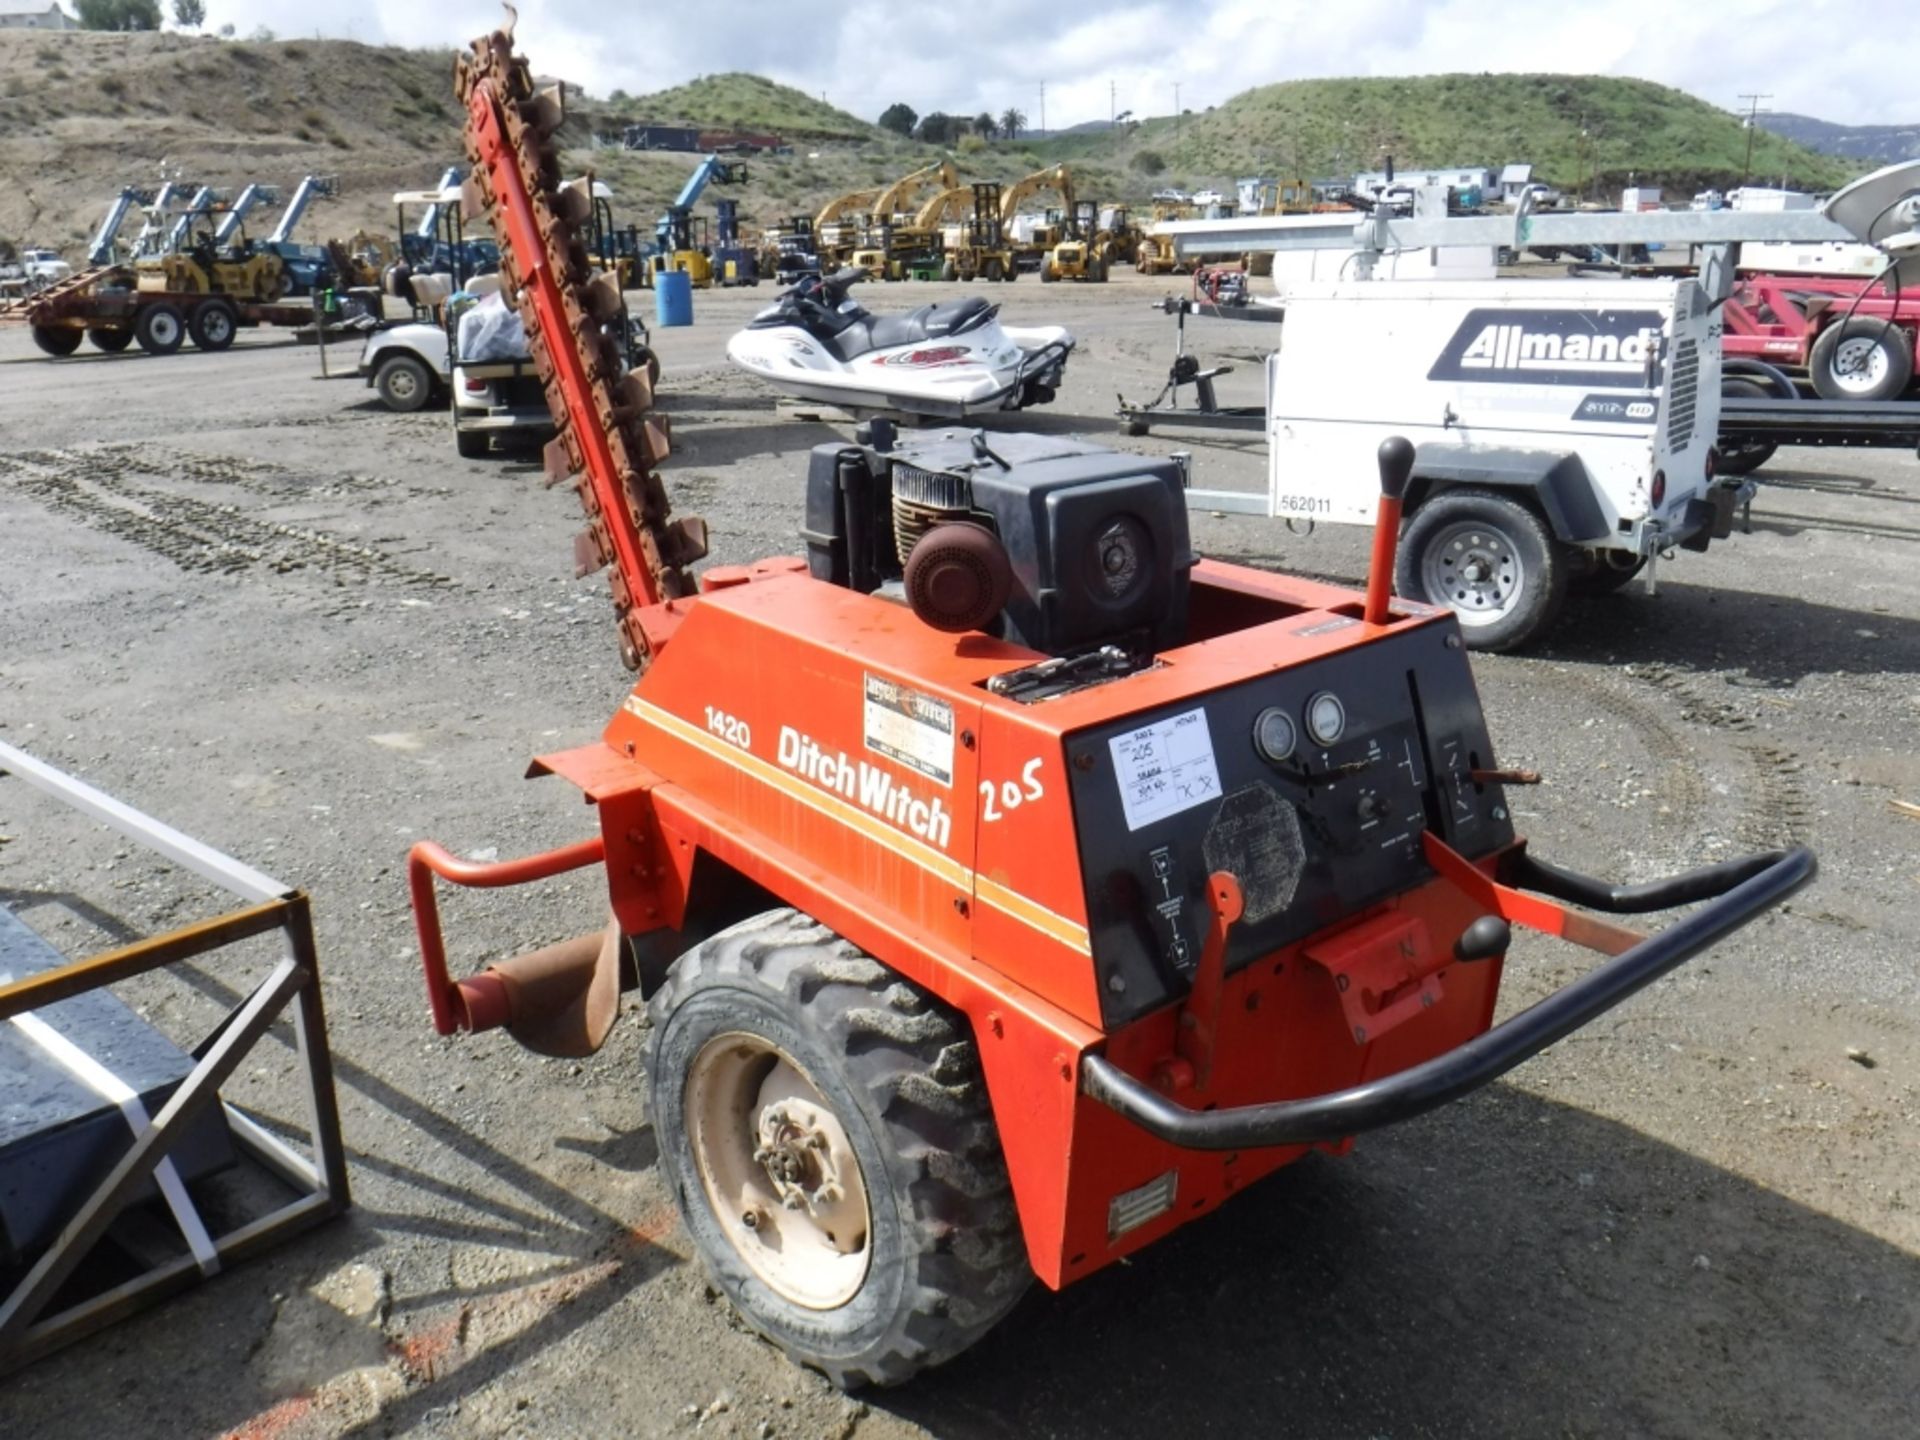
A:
x: 637, y: 438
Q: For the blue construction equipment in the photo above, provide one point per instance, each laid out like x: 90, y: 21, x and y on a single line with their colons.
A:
x: 236, y: 213
x: 102, y: 250
x: 676, y: 246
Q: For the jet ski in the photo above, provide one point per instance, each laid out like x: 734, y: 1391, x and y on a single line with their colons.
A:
x: 952, y: 360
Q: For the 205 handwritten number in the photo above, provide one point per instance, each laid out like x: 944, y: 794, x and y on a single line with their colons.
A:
x: 996, y: 800
x: 730, y: 728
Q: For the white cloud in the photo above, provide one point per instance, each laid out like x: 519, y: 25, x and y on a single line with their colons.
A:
x: 1841, y: 60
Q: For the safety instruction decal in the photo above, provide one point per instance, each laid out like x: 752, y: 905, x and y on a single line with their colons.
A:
x: 909, y: 727
x: 1165, y: 768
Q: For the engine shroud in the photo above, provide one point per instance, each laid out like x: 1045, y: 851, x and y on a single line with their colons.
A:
x: 1097, y: 540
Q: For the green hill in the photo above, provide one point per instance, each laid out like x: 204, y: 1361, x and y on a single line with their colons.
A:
x: 746, y: 102
x: 1632, y: 128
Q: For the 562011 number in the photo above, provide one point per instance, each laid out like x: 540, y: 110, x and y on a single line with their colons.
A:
x: 1304, y: 504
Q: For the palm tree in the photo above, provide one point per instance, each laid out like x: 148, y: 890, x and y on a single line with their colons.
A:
x: 1012, y: 122
x: 983, y: 126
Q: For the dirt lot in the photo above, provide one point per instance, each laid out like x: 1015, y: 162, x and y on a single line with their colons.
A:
x: 249, y: 602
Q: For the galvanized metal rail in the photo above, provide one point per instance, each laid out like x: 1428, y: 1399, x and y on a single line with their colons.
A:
x: 27, y: 1330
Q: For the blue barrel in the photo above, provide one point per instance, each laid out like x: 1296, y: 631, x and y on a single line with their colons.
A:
x: 673, y: 298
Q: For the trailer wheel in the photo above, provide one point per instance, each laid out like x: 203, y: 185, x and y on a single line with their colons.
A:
x: 159, y: 329
x: 949, y: 271
x: 826, y: 1131
x: 1490, y: 559
x: 213, y: 325
x: 111, y: 341
x: 403, y: 384
x: 56, y: 340
x: 1745, y: 459
x: 1861, y: 359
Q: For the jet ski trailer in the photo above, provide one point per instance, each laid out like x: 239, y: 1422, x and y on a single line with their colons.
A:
x: 953, y: 360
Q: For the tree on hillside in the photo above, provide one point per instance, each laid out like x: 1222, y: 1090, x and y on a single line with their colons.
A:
x: 118, y: 14
x: 940, y: 128
x: 189, y: 14
x: 898, y: 117
x: 1149, y: 162
x: 985, y: 126
x: 1012, y: 122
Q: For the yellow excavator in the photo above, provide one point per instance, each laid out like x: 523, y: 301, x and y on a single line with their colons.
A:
x: 1057, y: 179
x: 836, y: 229
x: 894, y: 243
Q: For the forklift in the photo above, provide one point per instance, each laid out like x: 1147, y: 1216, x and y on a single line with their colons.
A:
x: 981, y: 251
x: 1078, y: 253
x: 734, y: 261
x: 1008, y: 886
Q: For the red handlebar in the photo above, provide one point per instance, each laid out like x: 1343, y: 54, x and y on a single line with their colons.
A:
x: 477, y: 1003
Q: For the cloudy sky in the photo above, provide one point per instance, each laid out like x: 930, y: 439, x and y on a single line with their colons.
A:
x: 1843, y: 60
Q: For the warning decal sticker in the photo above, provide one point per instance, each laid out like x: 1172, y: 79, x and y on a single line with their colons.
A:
x: 910, y: 727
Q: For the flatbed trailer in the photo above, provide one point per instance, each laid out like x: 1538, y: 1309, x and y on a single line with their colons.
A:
x: 106, y: 305
x: 1762, y: 407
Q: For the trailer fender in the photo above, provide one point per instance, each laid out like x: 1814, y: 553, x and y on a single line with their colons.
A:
x: 1557, y: 481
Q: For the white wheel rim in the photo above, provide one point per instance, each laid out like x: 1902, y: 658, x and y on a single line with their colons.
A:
x: 1476, y: 570
x: 401, y: 383
x: 217, y: 327
x: 779, y: 1173
x: 1859, y: 363
x: 164, y: 329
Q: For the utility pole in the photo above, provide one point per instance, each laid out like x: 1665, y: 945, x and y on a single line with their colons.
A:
x: 1113, y: 104
x: 1043, y: 107
x: 1753, y: 123
x: 1177, y: 126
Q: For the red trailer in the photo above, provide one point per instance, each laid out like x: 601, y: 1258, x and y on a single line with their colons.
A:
x: 1853, y: 340
x: 107, y: 307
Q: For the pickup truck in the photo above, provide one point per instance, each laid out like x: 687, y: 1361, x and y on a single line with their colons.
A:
x: 34, y: 271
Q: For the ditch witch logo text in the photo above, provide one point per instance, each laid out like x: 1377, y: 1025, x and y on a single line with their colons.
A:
x: 1596, y: 348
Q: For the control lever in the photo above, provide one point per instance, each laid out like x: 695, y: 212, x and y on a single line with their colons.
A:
x: 1396, y: 471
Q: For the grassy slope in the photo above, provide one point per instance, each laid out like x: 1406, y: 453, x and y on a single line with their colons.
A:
x: 83, y: 114
x: 748, y: 102
x: 1325, y: 127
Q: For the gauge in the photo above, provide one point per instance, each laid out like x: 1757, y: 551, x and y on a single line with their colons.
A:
x: 1326, y: 717
x: 1274, y: 735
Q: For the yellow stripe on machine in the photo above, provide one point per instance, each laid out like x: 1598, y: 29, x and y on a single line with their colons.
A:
x: 1029, y: 912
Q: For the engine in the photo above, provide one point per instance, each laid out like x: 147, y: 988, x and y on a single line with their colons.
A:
x: 1051, y: 543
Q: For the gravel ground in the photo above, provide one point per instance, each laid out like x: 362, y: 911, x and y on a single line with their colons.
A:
x: 249, y: 602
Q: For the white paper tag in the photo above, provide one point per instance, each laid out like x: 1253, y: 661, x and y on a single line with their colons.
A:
x: 1165, y: 768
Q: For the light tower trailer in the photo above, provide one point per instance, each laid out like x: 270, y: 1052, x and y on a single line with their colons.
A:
x: 1564, y: 440
x: 1565, y: 430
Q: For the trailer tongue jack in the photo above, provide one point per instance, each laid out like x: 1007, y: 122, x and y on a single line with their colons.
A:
x: 1008, y: 886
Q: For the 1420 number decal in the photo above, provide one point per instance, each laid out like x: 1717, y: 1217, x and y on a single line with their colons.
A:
x: 730, y: 728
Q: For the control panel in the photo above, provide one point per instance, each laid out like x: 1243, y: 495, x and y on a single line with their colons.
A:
x: 1312, y: 786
